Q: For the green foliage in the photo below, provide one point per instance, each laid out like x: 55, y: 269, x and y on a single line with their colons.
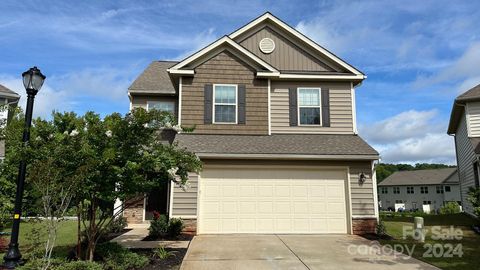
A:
x: 381, y: 229
x: 117, y: 225
x: 40, y: 263
x: 474, y: 199
x: 450, y: 208
x: 36, y: 238
x: 116, y: 257
x: 158, y: 226
x: 384, y: 170
x: 162, y: 254
x: 175, y: 227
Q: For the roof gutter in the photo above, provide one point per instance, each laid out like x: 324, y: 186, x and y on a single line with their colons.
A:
x: 286, y: 156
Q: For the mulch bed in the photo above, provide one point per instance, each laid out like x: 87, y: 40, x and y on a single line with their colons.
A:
x: 376, y: 237
x: 172, y: 262
x: 181, y: 237
x: 3, y: 243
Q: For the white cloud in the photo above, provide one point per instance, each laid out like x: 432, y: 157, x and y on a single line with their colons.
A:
x: 68, y: 92
x: 411, y: 137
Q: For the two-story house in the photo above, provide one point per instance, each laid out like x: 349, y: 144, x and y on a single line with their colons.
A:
x: 275, y: 127
x: 421, y: 190
x: 465, y: 126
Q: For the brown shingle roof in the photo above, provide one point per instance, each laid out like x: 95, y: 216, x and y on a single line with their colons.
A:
x: 421, y: 177
x: 278, y: 144
x: 4, y: 91
x: 473, y: 93
x: 154, y: 79
x: 457, y: 109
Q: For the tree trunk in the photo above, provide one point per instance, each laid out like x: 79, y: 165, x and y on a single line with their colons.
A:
x: 92, y: 231
x: 79, y: 232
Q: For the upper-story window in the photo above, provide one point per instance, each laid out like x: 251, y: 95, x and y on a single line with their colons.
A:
x: 396, y: 190
x: 410, y: 190
x: 164, y: 106
x: 447, y: 189
x: 439, y: 189
x: 225, y: 103
x: 424, y: 190
x: 309, y: 112
x: 384, y: 190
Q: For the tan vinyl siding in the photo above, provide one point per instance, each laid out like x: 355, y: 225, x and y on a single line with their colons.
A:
x: 228, y: 69
x: 184, y: 201
x: 341, y: 116
x: 465, y: 159
x: 474, y: 118
x: 361, y: 195
x: 286, y: 56
x: 141, y: 101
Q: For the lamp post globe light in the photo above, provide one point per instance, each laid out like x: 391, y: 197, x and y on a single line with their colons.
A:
x: 32, y: 80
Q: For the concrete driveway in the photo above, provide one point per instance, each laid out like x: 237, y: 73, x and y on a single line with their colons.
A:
x: 292, y: 252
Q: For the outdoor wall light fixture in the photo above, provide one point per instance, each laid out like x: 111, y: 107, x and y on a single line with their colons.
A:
x: 362, y: 178
x: 32, y: 80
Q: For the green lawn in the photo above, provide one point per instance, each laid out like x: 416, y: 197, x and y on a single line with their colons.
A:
x: 470, y: 242
x: 67, y: 235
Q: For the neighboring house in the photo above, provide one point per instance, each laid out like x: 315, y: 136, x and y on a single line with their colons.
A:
x: 8, y: 100
x: 275, y: 126
x: 419, y: 190
x: 465, y: 126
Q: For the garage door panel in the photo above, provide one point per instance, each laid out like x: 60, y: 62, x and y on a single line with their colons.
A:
x: 272, y: 201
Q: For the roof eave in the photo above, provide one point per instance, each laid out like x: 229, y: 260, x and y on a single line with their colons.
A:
x: 286, y: 156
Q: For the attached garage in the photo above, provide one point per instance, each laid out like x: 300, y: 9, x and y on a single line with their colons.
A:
x: 249, y: 199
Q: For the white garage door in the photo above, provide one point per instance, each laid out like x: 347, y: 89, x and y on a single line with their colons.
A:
x: 272, y: 201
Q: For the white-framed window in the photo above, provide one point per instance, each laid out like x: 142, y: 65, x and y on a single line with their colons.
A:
x: 439, y: 189
x: 309, y: 102
x: 225, y: 103
x: 424, y: 190
x: 410, y: 190
x: 163, y: 105
x: 384, y: 190
x: 396, y: 190
x: 448, y: 189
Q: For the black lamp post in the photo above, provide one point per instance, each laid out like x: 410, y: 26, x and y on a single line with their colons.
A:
x: 33, y: 81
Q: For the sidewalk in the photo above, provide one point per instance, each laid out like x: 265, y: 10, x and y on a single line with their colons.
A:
x: 133, y: 239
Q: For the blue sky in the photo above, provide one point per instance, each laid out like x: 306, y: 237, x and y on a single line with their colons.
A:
x: 418, y: 55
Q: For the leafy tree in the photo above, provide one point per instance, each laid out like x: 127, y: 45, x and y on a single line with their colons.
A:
x: 114, y: 157
x: 474, y: 199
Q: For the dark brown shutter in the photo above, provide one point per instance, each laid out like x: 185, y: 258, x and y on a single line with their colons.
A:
x: 325, y: 107
x: 241, y: 103
x: 208, y: 93
x: 292, y: 96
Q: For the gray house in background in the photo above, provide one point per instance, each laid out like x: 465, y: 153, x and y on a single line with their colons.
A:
x: 465, y: 126
x: 419, y: 190
x: 8, y: 99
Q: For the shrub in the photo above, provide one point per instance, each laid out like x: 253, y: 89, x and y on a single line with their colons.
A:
x: 175, y: 227
x: 79, y: 265
x: 162, y: 254
x: 450, y: 208
x: 117, y: 225
x: 116, y: 257
x: 381, y: 228
x: 158, y: 226
x: 40, y: 263
x: 474, y: 199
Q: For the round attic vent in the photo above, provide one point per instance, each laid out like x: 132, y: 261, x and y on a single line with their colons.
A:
x: 266, y: 45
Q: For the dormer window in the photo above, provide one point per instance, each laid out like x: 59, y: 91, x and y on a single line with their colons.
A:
x: 309, y: 100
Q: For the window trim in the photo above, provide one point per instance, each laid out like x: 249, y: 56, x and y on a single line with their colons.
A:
x: 230, y: 104
x: 410, y: 190
x: 319, y: 106
x: 424, y: 190
x: 396, y: 190
x: 159, y: 101
x: 449, y: 188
